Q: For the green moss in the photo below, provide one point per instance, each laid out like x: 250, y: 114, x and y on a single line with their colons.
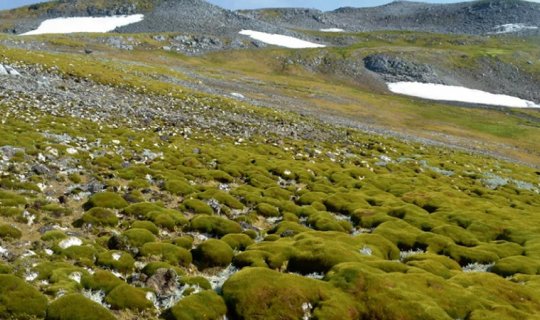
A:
x: 152, y: 267
x: 8, y: 232
x: 19, y: 300
x: 125, y: 296
x: 517, y: 264
x: 178, y: 187
x: 5, y: 268
x: 259, y: 293
x: 197, y: 206
x: 324, y: 221
x: 168, y: 252
x: 100, y: 217
x: 221, y: 197
x: 277, y: 193
x: 196, y: 281
x: 11, y: 199
x: 101, y: 280
x: 53, y: 235
x: 310, y: 197
x: 57, y: 210
x: 108, y: 200
x: 345, y: 203
x: 206, y: 305
x: 137, y: 237
x: 212, y: 253
x: 142, y: 210
x: 214, y: 225
x: 457, y: 234
x: 84, y: 255
x: 11, y: 212
x: 238, y: 241
x: 184, y: 242
x: 124, y: 263
x: 465, y: 255
x: 148, y: 225
x: 267, y: 210
x: 77, y: 307
x: 313, y: 254
x: 288, y: 228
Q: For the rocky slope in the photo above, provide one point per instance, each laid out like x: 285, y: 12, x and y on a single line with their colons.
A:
x: 476, y: 17
x: 187, y: 16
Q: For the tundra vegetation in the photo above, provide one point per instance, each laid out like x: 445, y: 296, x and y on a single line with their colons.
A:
x: 140, y: 218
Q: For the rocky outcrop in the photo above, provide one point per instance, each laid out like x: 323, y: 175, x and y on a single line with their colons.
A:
x: 395, y: 69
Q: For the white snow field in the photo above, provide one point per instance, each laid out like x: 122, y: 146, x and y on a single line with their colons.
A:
x: 513, y: 27
x: 280, y: 40
x: 332, y: 30
x: 84, y: 24
x: 441, y: 92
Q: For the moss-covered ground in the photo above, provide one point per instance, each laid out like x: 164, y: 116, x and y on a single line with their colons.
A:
x: 266, y: 227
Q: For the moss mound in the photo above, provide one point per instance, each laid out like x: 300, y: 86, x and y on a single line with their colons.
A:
x: 167, y: 252
x: 206, y: 305
x: 125, y: 296
x: 101, y: 280
x: 238, y: 241
x: 108, y: 200
x: 212, y: 253
x: 77, y: 307
x: 214, y: 225
x: 259, y: 293
x: 8, y: 232
x: 19, y: 300
x: 100, y: 217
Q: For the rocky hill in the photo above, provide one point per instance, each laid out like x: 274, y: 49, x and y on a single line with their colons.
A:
x: 187, y: 16
x: 476, y: 17
x: 196, y: 16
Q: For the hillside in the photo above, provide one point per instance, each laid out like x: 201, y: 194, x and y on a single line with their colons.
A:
x: 475, y: 17
x: 202, y: 174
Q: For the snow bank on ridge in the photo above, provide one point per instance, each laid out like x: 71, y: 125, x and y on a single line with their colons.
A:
x: 84, y: 24
x: 280, y: 40
x: 441, y: 92
x: 332, y: 30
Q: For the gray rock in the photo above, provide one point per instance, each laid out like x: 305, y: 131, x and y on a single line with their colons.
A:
x: 40, y: 169
x: 395, y: 69
x: 164, y: 282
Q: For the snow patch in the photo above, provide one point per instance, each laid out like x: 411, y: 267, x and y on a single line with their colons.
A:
x: 238, y: 95
x: 116, y: 256
x: 513, y: 27
x: 280, y: 40
x: 84, y: 24
x: 70, y: 242
x: 441, y: 92
x: 332, y: 30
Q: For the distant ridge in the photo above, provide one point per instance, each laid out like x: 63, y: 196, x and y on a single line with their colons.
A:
x: 476, y: 17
